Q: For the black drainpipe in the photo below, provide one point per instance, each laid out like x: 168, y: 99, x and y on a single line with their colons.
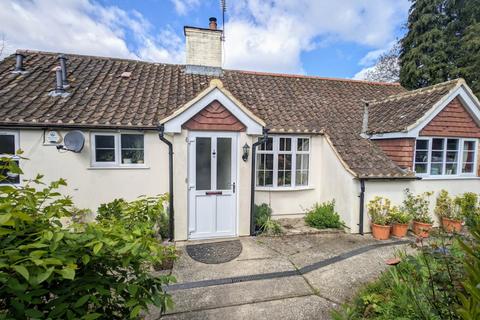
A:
x: 161, y: 131
x: 362, y: 204
x: 252, y: 182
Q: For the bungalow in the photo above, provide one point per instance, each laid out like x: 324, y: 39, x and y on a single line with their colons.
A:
x: 221, y: 140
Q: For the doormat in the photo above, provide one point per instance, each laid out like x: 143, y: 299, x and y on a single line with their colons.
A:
x: 215, y: 252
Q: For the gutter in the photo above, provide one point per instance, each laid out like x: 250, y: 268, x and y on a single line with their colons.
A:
x: 30, y: 125
x: 252, y: 181
x: 161, y: 135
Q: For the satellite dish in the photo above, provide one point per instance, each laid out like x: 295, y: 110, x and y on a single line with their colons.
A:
x: 73, y: 141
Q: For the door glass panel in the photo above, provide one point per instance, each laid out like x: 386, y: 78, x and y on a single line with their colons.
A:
x: 203, y: 169
x: 224, y: 163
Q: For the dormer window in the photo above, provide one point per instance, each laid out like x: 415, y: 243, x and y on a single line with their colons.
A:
x: 445, y: 157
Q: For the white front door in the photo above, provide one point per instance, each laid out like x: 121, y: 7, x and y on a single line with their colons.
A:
x: 212, y: 176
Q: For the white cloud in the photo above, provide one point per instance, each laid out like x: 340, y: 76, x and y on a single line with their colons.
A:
x: 370, y: 60
x: 84, y: 27
x: 271, y: 35
x: 182, y: 7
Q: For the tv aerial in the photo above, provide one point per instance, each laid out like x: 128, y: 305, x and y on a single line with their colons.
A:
x: 73, y: 141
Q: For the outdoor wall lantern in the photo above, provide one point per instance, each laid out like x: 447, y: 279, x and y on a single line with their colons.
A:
x: 246, y: 150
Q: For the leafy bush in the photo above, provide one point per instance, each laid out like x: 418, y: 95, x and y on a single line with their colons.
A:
x: 263, y: 221
x: 417, y: 206
x: 379, y: 210
x: 323, y: 216
x: 470, y: 299
x: 445, y: 206
x: 145, y: 210
x: 399, y: 215
x: 423, y: 286
x: 469, y: 208
x: 83, y: 270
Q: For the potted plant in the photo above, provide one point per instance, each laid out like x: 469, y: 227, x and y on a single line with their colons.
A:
x: 378, y: 210
x: 400, y: 220
x: 417, y: 207
x: 448, y: 211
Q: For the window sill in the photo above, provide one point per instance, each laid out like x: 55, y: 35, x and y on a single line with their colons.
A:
x: 279, y: 189
x: 119, y: 168
x: 449, y: 178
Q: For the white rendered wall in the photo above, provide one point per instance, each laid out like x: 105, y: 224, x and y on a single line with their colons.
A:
x: 91, y: 186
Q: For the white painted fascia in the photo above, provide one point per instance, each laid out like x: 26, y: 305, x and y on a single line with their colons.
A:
x: 174, y: 122
x: 468, y: 99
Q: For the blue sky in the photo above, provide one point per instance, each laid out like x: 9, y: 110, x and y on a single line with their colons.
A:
x: 314, y: 37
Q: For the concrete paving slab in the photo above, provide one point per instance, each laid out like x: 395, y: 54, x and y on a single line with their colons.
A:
x: 239, y: 293
x: 340, y: 281
x: 298, y: 308
x: 254, y: 259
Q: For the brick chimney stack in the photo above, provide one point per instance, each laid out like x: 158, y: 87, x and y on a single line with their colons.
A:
x: 204, y: 48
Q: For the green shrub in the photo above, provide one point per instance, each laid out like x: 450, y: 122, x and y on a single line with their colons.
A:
x: 425, y: 285
x: 379, y: 210
x: 470, y: 299
x: 49, y: 270
x: 399, y: 215
x: 417, y: 206
x: 469, y: 208
x: 263, y: 221
x: 323, y: 216
x: 150, y: 211
x: 445, y: 206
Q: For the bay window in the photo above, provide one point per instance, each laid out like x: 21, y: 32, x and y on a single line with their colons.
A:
x: 8, y: 147
x: 283, y: 162
x: 445, y: 157
x: 117, y: 149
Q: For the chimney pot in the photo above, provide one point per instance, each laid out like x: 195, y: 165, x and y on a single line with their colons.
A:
x: 19, y: 62
x: 213, y: 23
x: 62, y: 59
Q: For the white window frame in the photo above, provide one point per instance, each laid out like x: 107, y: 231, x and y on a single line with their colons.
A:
x: 276, y: 151
x: 16, y: 136
x: 118, y: 151
x: 459, y: 173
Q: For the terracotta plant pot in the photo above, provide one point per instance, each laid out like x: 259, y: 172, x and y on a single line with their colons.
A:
x: 380, y: 232
x: 450, y: 225
x: 399, y: 230
x: 421, y: 229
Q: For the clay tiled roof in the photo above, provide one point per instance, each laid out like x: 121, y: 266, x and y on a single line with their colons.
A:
x: 101, y: 97
x: 397, y: 112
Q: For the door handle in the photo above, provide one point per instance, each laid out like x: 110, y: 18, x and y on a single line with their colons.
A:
x: 233, y: 187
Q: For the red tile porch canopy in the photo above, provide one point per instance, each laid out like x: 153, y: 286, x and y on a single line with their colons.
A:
x: 214, y: 117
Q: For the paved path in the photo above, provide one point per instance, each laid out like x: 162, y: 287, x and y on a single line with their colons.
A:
x: 296, y: 277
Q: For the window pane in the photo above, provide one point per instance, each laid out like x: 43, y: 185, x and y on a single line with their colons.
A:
x: 105, y: 141
x: 422, y: 145
x: 467, y: 168
x: 421, y: 156
x: 468, y: 146
x: 437, y: 144
x: 284, y: 175
x: 7, y: 144
x: 436, y: 169
x: 451, y: 168
x: 267, y: 145
x: 132, y: 156
x: 105, y: 155
x: 8, y: 177
x: 203, y: 169
x: 303, y: 144
x: 285, y: 144
x: 437, y: 156
x: 452, y: 156
x: 224, y: 163
x: 132, y: 141
x: 421, y: 168
x: 468, y: 156
x: 452, y: 144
